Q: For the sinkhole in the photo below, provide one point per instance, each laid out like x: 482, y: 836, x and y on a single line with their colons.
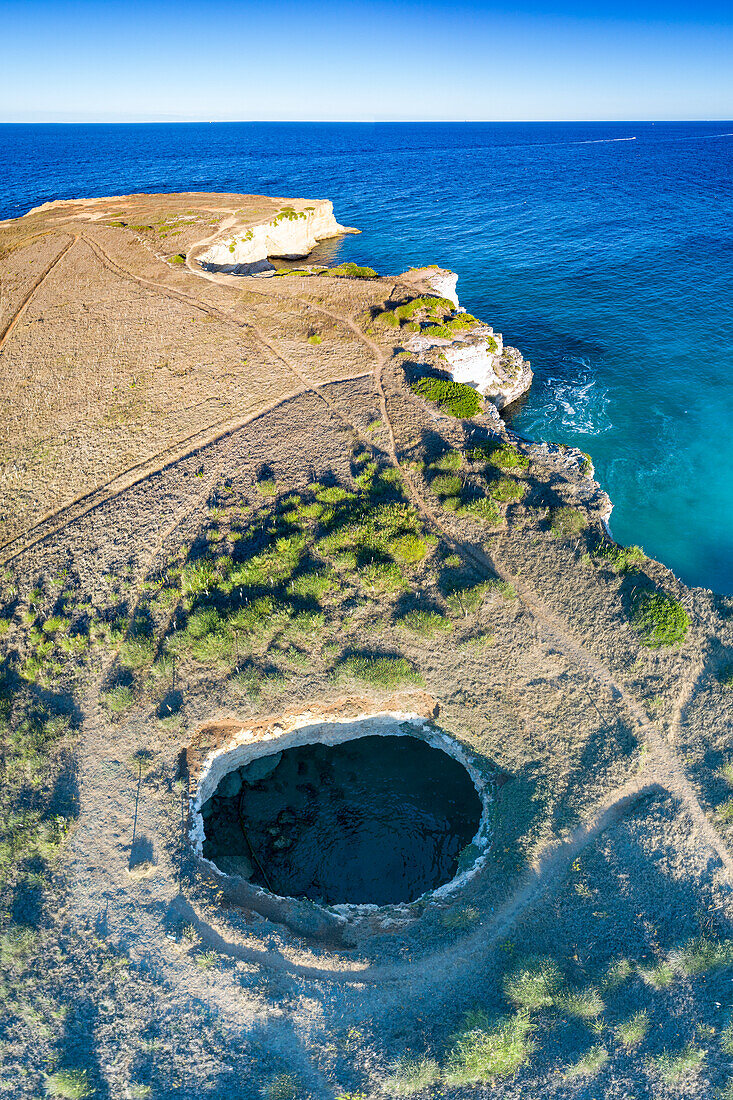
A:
x: 376, y: 820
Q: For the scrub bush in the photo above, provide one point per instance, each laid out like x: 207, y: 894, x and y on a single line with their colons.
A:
x: 453, y: 397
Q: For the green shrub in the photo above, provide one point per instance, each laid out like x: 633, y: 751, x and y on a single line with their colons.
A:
x: 671, y: 1067
x: 69, y: 1084
x: 350, y: 271
x: 502, y: 455
x: 426, y: 623
x: 591, y: 1063
x: 257, y: 614
x: 617, y: 973
x: 284, y: 1086
x: 622, y: 559
x: 633, y: 1031
x: 660, y: 976
x: 314, y: 584
x: 701, y: 955
x: 385, y: 672
x: 382, y: 576
x: 118, y: 699
x: 199, y: 577
x: 534, y: 984
x: 463, y: 599
x: 333, y: 494
x: 408, y: 548
x: 410, y: 1075
x: 179, y: 258
x: 566, y: 522
x: 388, y: 319
x: 453, y: 397
x: 136, y: 653
x: 483, y: 508
x: 485, y: 1050
x: 724, y: 812
x: 587, y: 1003
x: 433, y: 305
x: 448, y: 463
x: 55, y: 623
x: 446, y: 485
x: 315, y: 339
x: 659, y: 619
x: 308, y: 622
x: 267, y: 486
x: 506, y: 491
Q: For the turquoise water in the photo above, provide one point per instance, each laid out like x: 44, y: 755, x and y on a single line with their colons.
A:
x: 603, y: 251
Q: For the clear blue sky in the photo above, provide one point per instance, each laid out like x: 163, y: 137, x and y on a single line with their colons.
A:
x: 228, y: 60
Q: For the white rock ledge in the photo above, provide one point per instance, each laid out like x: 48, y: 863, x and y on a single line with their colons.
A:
x: 291, y: 235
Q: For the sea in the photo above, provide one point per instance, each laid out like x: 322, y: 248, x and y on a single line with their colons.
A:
x: 603, y: 251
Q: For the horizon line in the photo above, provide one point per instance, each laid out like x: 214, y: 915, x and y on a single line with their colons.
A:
x: 356, y: 121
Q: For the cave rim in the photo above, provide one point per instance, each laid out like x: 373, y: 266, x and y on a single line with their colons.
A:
x: 310, y: 729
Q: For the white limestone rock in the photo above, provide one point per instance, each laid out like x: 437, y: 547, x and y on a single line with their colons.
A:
x: 291, y: 235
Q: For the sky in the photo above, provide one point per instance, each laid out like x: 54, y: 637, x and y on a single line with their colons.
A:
x: 107, y: 61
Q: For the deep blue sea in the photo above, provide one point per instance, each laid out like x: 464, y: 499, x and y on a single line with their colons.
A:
x: 604, y: 251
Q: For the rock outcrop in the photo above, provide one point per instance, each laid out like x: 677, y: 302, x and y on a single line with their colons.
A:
x: 290, y: 235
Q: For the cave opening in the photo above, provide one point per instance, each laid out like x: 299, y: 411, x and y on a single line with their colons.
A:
x: 374, y: 820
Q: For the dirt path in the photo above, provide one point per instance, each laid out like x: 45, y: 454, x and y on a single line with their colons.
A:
x: 7, y: 331
x: 54, y: 522
x: 541, y: 880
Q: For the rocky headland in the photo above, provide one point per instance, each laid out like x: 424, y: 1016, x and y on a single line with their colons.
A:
x: 250, y: 505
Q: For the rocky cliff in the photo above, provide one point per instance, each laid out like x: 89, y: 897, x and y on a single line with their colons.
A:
x: 291, y: 234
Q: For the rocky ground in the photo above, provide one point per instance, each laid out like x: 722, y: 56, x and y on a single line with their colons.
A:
x: 225, y: 507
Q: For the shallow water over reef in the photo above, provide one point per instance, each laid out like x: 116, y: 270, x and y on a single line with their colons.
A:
x: 376, y: 820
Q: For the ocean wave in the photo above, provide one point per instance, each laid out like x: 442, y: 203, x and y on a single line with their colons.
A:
x: 572, y: 399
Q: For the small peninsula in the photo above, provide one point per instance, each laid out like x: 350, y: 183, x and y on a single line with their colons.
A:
x: 345, y: 754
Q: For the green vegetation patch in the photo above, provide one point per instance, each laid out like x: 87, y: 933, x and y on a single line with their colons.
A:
x: 534, y: 984
x: 386, y: 671
x: 672, y: 1066
x: 69, y: 1084
x: 633, y: 1031
x: 409, y: 1075
x: 446, y: 485
x: 431, y: 304
x: 622, y: 559
x: 502, y: 455
x: 455, y: 398
x: 486, y: 1049
x: 426, y: 623
x: 566, y: 522
x: 506, y: 490
x: 659, y: 619
x: 590, y: 1064
x: 701, y: 955
x: 483, y: 509
x: 267, y: 486
x: 350, y: 271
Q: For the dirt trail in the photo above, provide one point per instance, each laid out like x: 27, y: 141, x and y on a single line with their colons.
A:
x: 54, y: 522
x: 7, y: 331
x: 541, y: 880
